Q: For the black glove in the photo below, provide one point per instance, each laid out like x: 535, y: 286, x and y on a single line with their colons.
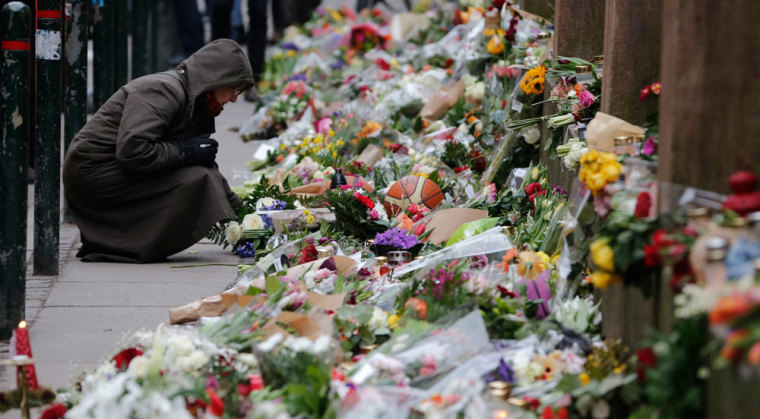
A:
x: 198, y: 151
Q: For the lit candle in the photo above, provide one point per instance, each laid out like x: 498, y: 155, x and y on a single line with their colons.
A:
x: 22, y: 347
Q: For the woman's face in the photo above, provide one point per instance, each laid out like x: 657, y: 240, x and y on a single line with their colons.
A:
x: 225, y: 95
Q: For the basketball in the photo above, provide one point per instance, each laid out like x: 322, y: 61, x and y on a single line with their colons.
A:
x: 412, y: 189
x: 352, y: 181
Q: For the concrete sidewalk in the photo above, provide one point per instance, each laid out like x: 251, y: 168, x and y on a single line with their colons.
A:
x: 78, y: 318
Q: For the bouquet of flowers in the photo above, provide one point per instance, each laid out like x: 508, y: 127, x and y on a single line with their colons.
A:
x: 354, y: 213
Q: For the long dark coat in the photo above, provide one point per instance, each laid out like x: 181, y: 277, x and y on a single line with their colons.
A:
x: 128, y: 190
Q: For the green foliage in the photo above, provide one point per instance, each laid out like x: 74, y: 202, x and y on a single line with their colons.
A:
x: 309, y: 398
x: 673, y: 388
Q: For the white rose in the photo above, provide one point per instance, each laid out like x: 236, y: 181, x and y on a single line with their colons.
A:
x: 531, y: 135
x: 379, y: 319
x: 138, y: 368
x: 299, y: 205
x: 252, y: 222
x: 248, y: 359
x: 192, y: 362
x: 321, y: 345
x: 179, y: 345
x: 233, y: 232
x: 264, y: 202
x: 476, y: 91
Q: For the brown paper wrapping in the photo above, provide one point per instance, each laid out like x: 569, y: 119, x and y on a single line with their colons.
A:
x: 312, y: 189
x: 213, y: 306
x: 302, y: 324
x: 446, y: 221
x: 344, y: 265
x: 442, y: 100
x: 370, y: 155
x: 277, y: 178
x: 604, y: 128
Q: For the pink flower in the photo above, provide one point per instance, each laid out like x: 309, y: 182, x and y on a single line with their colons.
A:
x: 323, y: 125
x: 586, y: 98
x: 373, y: 215
x: 650, y: 147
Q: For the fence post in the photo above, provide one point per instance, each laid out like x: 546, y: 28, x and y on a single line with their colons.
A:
x: 103, y: 60
x: 47, y: 158
x: 14, y: 110
x: 120, y: 44
x: 140, y: 52
x: 75, y: 94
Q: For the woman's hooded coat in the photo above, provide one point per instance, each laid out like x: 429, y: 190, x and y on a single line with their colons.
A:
x: 128, y: 190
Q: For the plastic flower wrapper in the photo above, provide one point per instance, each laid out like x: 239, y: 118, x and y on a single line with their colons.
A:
x: 420, y: 352
x: 361, y: 325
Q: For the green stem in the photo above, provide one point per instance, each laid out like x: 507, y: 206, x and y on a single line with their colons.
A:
x: 200, y: 265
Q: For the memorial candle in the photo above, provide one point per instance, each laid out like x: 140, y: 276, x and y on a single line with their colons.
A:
x: 23, y: 347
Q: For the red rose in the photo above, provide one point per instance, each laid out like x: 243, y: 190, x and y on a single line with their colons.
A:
x: 651, y: 256
x: 460, y: 169
x: 215, y: 403
x: 364, y: 200
x: 123, y: 358
x: 56, y: 411
x: 382, y: 64
x: 308, y: 254
x: 643, y: 204
x: 420, y: 229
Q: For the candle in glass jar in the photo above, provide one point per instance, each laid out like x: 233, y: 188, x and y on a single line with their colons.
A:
x: 22, y: 347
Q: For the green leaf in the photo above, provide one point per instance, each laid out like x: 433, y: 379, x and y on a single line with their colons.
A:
x: 273, y: 284
x: 471, y: 229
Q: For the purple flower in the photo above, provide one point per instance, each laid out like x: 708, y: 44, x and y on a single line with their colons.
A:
x: 503, y: 372
x: 559, y: 190
x: 246, y: 250
x: 650, y: 146
x: 397, y: 238
x: 478, y: 262
x: 297, y: 77
x: 337, y: 64
x: 289, y: 46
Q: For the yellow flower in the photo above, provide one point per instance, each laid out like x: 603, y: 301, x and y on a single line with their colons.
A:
x: 555, y: 259
x: 282, y: 146
x: 585, y: 379
x: 601, y: 279
x: 603, y: 255
x: 341, y: 142
x: 598, y: 168
x: 335, y: 15
x: 393, y: 321
x: 290, y: 53
x: 278, y: 55
x: 544, y: 257
x: 619, y: 370
x: 495, y: 45
x: 419, y: 174
x: 331, y: 133
x: 534, y: 173
x: 335, y: 154
x: 611, y: 171
x: 309, y: 218
x: 489, y: 31
x: 530, y: 265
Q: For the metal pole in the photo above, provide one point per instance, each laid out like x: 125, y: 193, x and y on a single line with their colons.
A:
x: 120, y: 44
x: 14, y: 122
x: 75, y: 96
x: 103, y: 63
x: 139, y: 38
x: 47, y: 187
x: 153, y: 36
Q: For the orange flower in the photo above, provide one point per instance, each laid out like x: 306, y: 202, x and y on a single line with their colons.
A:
x: 405, y: 222
x: 504, y: 265
x: 730, y: 308
x: 419, y: 307
x: 754, y: 354
x: 730, y: 351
